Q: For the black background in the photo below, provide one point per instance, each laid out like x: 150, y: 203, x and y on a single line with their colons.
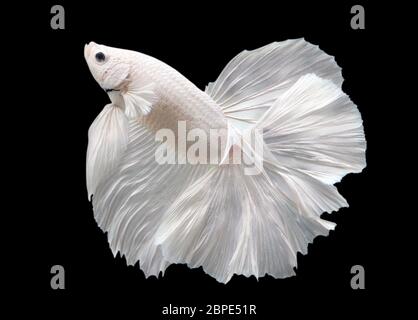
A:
x: 197, y: 40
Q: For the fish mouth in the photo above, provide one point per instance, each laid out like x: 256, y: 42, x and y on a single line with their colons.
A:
x: 88, y: 48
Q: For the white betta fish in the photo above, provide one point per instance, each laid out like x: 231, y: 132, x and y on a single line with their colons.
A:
x: 216, y: 215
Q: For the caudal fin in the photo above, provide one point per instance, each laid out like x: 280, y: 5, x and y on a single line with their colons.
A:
x: 316, y: 129
x: 232, y: 223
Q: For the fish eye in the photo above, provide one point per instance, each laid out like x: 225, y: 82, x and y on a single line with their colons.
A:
x: 100, y: 57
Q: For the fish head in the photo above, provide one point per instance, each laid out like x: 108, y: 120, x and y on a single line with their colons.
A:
x: 109, y: 66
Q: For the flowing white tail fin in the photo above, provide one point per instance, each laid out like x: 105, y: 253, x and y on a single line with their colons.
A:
x: 232, y: 223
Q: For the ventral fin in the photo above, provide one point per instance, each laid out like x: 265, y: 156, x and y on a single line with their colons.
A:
x: 108, y: 138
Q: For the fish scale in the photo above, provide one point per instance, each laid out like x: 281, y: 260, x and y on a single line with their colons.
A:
x: 179, y: 99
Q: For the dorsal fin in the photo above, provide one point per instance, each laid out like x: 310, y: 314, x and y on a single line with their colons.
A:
x: 253, y: 80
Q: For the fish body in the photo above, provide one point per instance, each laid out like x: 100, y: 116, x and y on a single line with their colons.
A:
x: 174, y: 98
x: 218, y: 215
